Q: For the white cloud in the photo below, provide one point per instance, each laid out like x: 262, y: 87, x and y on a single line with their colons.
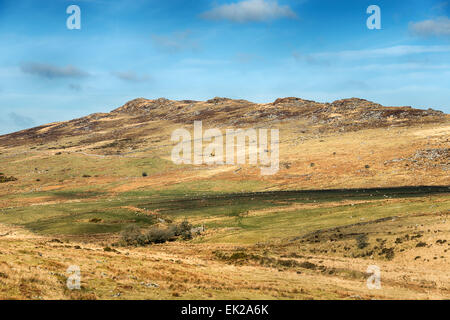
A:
x: 176, y: 42
x: 51, y: 71
x: 250, y: 11
x: 20, y: 120
x: 131, y: 76
x: 441, y: 6
x: 75, y: 87
x: 204, y: 62
x: 407, y: 66
x: 395, y: 51
x: 433, y: 27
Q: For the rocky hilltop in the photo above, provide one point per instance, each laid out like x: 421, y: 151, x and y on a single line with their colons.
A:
x: 339, y: 116
x: 349, y: 143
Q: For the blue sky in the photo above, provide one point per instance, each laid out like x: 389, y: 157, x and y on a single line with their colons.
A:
x: 257, y: 50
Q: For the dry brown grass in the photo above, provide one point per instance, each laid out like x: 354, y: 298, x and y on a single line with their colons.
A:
x: 34, y: 267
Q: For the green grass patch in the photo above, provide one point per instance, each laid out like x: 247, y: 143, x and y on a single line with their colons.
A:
x: 98, y: 213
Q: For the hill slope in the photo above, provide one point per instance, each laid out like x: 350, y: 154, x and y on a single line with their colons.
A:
x: 70, y: 188
x: 349, y: 143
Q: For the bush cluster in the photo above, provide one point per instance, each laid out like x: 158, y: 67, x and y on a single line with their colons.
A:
x: 133, y: 235
x: 362, y: 241
x: 4, y: 178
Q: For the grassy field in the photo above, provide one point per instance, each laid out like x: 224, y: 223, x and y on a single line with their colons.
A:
x: 258, y: 245
x: 90, y: 212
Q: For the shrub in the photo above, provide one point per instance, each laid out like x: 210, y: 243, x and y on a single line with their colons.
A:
x: 183, y: 230
x: 4, y: 178
x: 185, y: 226
x: 132, y: 235
x: 361, y: 241
x: 144, y: 174
x: 308, y: 265
x: 388, y: 253
x: 157, y: 235
x: 186, y: 235
x: 421, y: 245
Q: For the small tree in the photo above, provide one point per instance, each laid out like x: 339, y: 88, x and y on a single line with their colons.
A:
x: 131, y: 235
x: 156, y: 235
x: 185, y: 230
